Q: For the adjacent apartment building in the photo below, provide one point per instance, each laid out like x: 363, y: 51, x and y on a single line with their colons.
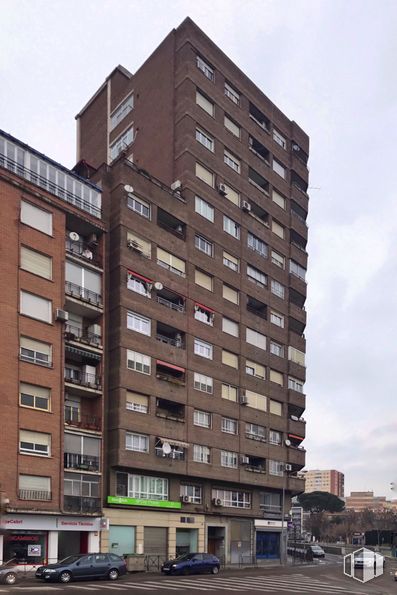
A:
x: 51, y: 346
x: 205, y: 182
x: 324, y: 480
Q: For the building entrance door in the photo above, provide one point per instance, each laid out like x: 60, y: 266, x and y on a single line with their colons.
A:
x: 267, y: 545
x: 216, y: 541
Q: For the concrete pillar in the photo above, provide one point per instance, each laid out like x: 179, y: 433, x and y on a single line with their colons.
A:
x: 93, y: 541
x: 139, y: 539
x: 171, y: 542
x: 1, y: 548
x: 52, y: 547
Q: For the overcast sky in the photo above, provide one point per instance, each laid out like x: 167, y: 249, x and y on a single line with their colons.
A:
x: 329, y: 65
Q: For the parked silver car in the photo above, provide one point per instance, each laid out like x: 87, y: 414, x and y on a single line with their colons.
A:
x: 9, y: 572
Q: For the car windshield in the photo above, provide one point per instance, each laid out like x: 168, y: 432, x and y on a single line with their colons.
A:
x: 9, y: 563
x: 70, y: 560
x: 184, y: 557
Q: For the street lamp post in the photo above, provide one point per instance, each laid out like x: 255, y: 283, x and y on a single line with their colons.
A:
x: 283, y: 545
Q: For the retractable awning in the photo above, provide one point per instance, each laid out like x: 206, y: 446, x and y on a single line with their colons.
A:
x: 84, y: 354
x: 174, y: 442
x: 171, y: 366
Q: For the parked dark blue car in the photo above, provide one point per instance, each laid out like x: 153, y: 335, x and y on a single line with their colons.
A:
x: 192, y: 563
x: 84, y: 566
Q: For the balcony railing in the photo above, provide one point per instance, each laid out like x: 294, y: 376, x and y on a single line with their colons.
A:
x: 82, y: 293
x: 82, y: 250
x: 34, y: 495
x: 74, y: 460
x: 77, y: 377
x: 75, y: 333
x: 171, y: 305
x: 178, y: 342
x: 81, y: 420
x: 271, y: 508
x: 165, y: 265
x: 82, y: 504
x: 256, y: 468
x: 178, y: 455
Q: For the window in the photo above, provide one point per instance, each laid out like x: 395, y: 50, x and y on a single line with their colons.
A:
x: 229, y: 359
x: 255, y: 432
x: 34, y: 487
x: 231, y: 261
x: 139, y: 284
x: 204, y: 209
x: 230, y: 294
x: 257, y: 245
x: 143, y: 487
x: 204, y: 314
x: 229, y: 459
x: 194, y: 493
x: 278, y: 259
x: 37, y: 397
x: 295, y: 384
x: 232, y: 195
x: 230, y: 327
x: 297, y: 270
x: 205, y: 175
x: 276, y: 377
x: 232, y: 94
x: 205, y: 139
x: 229, y: 425
x: 139, y: 206
x: 231, y: 227
x: 279, y: 139
x: 204, y: 280
x: 255, y: 338
x: 36, y: 263
x: 137, y: 442
x: 138, y: 362
x: 201, y: 454
x: 205, y: 68
x: 259, y: 117
x: 274, y: 437
x: 232, y: 126
x: 121, y: 143
x: 233, y: 499
x: 296, y: 356
x: 255, y: 369
x: 255, y: 400
x: 76, y: 484
x: 203, y: 383
x: 276, y: 349
x: 138, y: 244
x: 35, y: 352
x: 36, y: 218
x: 34, y: 443
x: 276, y: 318
x: 277, y: 288
x: 138, y: 323
x: 36, y: 307
x: 137, y: 402
x: 229, y: 392
x: 270, y: 502
x: 205, y: 103
x: 88, y: 282
x: 171, y: 262
x: 202, y: 418
x: 278, y: 199
x: 275, y: 407
x: 121, y: 111
x: 203, y: 349
x: 279, y: 169
x: 256, y: 275
x: 278, y: 229
x: 276, y: 468
x: 204, y: 245
x: 232, y: 161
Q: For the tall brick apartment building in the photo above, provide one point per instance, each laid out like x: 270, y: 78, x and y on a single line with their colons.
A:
x: 51, y: 296
x: 207, y: 184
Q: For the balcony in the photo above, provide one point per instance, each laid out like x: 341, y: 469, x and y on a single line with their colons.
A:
x: 271, y: 510
x: 258, y: 181
x: 259, y: 149
x: 256, y: 307
x: 259, y: 214
x: 81, y: 420
x: 81, y: 378
x: 253, y: 464
x: 81, y: 462
x: 297, y: 298
x: 86, y: 252
x: 81, y: 504
x: 298, y: 241
x: 299, y: 183
x: 171, y: 224
x: 87, y: 335
x: 170, y: 300
x: 170, y: 373
x: 34, y: 495
x: 296, y: 326
x: 83, y: 294
x: 170, y: 449
x: 259, y: 117
x: 170, y: 410
x: 170, y: 336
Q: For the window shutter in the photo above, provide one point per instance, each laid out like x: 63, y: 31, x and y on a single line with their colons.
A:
x: 37, y: 218
x: 36, y: 346
x: 36, y: 306
x: 275, y: 407
x: 36, y: 263
x: 35, y: 437
x: 276, y: 377
x: 230, y: 294
x: 34, y: 482
x: 144, y: 245
x: 137, y: 399
x: 203, y: 280
x: 229, y: 359
x: 256, y: 400
x: 204, y: 174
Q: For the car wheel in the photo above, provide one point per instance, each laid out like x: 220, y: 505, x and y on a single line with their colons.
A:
x: 10, y: 578
x: 113, y: 574
x: 65, y: 577
x: 215, y: 569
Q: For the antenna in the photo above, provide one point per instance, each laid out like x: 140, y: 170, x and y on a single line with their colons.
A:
x: 166, y: 448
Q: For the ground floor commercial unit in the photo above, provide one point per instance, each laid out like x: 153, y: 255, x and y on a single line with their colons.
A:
x: 166, y: 534
x: 34, y: 539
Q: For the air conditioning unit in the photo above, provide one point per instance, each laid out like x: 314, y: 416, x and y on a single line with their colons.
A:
x: 243, y: 400
x: 288, y: 467
x: 177, y: 185
x: 244, y: 460
x: 185, y: 499
x: 246, y: 206
x: 134, y: 246
x: 61, y: 315
x: 95, y: 329
x: 222, y: 189
x: 92, y: 239
x: 216, y: 501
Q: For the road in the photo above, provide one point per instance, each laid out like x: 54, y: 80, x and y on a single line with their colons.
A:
x: 323, y: 578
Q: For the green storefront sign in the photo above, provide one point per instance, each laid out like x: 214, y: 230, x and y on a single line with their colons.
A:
x: 140, y: 502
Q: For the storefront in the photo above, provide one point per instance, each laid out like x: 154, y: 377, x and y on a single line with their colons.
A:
x: 268, y: 539
x: 38, y: 539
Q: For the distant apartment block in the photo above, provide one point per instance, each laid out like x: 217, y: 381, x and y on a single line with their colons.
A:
x: 329, y: 480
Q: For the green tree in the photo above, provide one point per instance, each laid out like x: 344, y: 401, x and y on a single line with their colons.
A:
x: 316, y: 502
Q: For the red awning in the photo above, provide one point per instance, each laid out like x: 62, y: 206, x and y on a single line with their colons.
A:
x: 172, y: 366
x: 295, y: 436
x: 138, y: 276
x: 205, y: 308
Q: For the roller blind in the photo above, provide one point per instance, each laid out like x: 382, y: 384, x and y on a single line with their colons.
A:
x: 296, y: 356
x: 36, y: 263
x: 34, y: 437
x: 204, y: 174
x: 278, y: 199
x: 34, y: 482
x: 37, y: 218
x: 256, y: 400
x: 205, y: 103
x: 36, y: 346
x: 32, y: 389
x: 229, y: 359
x: 229, y: 392
x: 230, y: 294
x: 255, y: 338
x: 232, y: 195
x: 36, y: 306
x: 276, y: 377
x: 230, y: 125
x: 278, y: 229
x: 257, y: 369
x: 203, y: 280
x: 144, y: 245
x: 275, y: 407
x: 171, y: 260
x: 230, y: 327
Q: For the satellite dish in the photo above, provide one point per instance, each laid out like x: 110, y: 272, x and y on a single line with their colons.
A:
x: 128, y: 188
x: 294, y: 418
x: 287, y: 442
x: 166, y: 448
x: 159, y: 286
x: 74, y: 236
